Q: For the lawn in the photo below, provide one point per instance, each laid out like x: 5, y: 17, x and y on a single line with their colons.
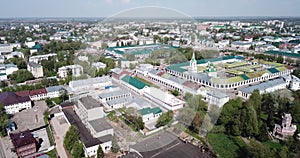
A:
x: 52, y: 154
x: 272, y: 145
x: 226, y: 146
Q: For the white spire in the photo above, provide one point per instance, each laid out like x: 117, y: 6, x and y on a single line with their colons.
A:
x: 193, y: 64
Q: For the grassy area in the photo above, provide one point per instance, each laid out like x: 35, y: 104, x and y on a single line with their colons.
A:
x: 226, y: 146
x: 272, y: 145
x: 52, y: 153
x: 128, y: 124
x: 57, y: 100
x: 49, y: 133
x: 112, y: 116
x: 298, y: 128
x: 264, y: 116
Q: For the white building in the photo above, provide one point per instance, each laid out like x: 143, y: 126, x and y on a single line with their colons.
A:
x: 216, y: 98
x: 14, y: 103
x: 54, y: 91
x: 2, y: 59
x: 150, y: 114
x: 39, y: 58
x: 35, y: 69
x: 241, y: 45
x: 115, y: 98
x: 13, y: 54
x: 89, y: 109
x: 4, y: 48
x: 265, y: 87
x: 89, y: 84
x: 76, y: 71
x: 99, y: 65
x: 295, y: 83
x: 91, y: 115
x: 8, y: 69
x: 166, y: 100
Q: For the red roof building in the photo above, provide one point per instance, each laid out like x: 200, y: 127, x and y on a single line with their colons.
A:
x: 24, y: 143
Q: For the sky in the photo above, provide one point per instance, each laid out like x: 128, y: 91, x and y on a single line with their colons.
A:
x: 108, y: 8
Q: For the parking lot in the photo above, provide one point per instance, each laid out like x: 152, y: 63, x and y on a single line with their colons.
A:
x: 28, y: 119
x: 31, y: 118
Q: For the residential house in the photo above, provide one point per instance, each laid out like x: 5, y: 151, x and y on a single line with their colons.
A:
x: 14, y: 103
x: 24, y: 143
x: 150, y: 114
x: 35, y: 69
x: 75, y: 70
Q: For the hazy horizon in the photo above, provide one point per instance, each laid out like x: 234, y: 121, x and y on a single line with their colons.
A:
x: 107, y: 8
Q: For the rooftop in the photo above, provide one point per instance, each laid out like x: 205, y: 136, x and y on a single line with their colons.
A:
x: 149, y: 110
x: 134, y: 82
x: 85, y: 136
x: 100, y: 125
x: 22, y: 138
x: 90, y: 81
x: 263, y: 86
x: 110, y: 93
x: 89, y: 102
x: 10, y: 98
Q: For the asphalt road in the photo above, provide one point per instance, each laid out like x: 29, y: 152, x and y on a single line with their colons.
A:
x: 2, y: 155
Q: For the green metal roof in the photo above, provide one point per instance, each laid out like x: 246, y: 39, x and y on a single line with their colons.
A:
x: 134, y: 82
x: 245, y: 77
x: 178, y: 67
x: 273, y: 52
x: 149, y: 110
x: 273, y: 70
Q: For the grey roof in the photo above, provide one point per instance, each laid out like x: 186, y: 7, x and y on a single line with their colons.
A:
x: 217, y: 94
x: 89, y: 102
x: 175, y: 79
x: 119, y: 100
x: 263, y: 86
x: 90, y: 81
x: 33, y: 64
x: 113, y: 93
x: 54, y: 88
x: 8, y: 65
x: 202, y: 76
x: 100, y: 125
x: 85, y: 136
x: 116, y: 70
x: 153, y: 71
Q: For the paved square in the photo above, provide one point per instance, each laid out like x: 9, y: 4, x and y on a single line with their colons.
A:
x: 31, y: 118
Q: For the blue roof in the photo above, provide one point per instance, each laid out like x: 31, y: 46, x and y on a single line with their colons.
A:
x: 54, y: 88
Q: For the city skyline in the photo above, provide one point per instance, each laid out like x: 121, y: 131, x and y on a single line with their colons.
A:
x: 107, y: 8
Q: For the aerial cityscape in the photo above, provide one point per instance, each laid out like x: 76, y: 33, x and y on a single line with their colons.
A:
x: 141, y: 79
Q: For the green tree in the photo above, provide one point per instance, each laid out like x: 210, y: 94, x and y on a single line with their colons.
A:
x: 4, y: 120
x: 21, y: 76
x: 249, y: 119
x: 196, y: 123
x: 71, y: 137
x: 100, y: 153
x: 77, y: 150
x: 175, y: 92
x: 284, y: 152
x: 114, y: 145
x: 279, y: 59
x: 164, y: 119
x: 256, y: 100
x: 230, y: 111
